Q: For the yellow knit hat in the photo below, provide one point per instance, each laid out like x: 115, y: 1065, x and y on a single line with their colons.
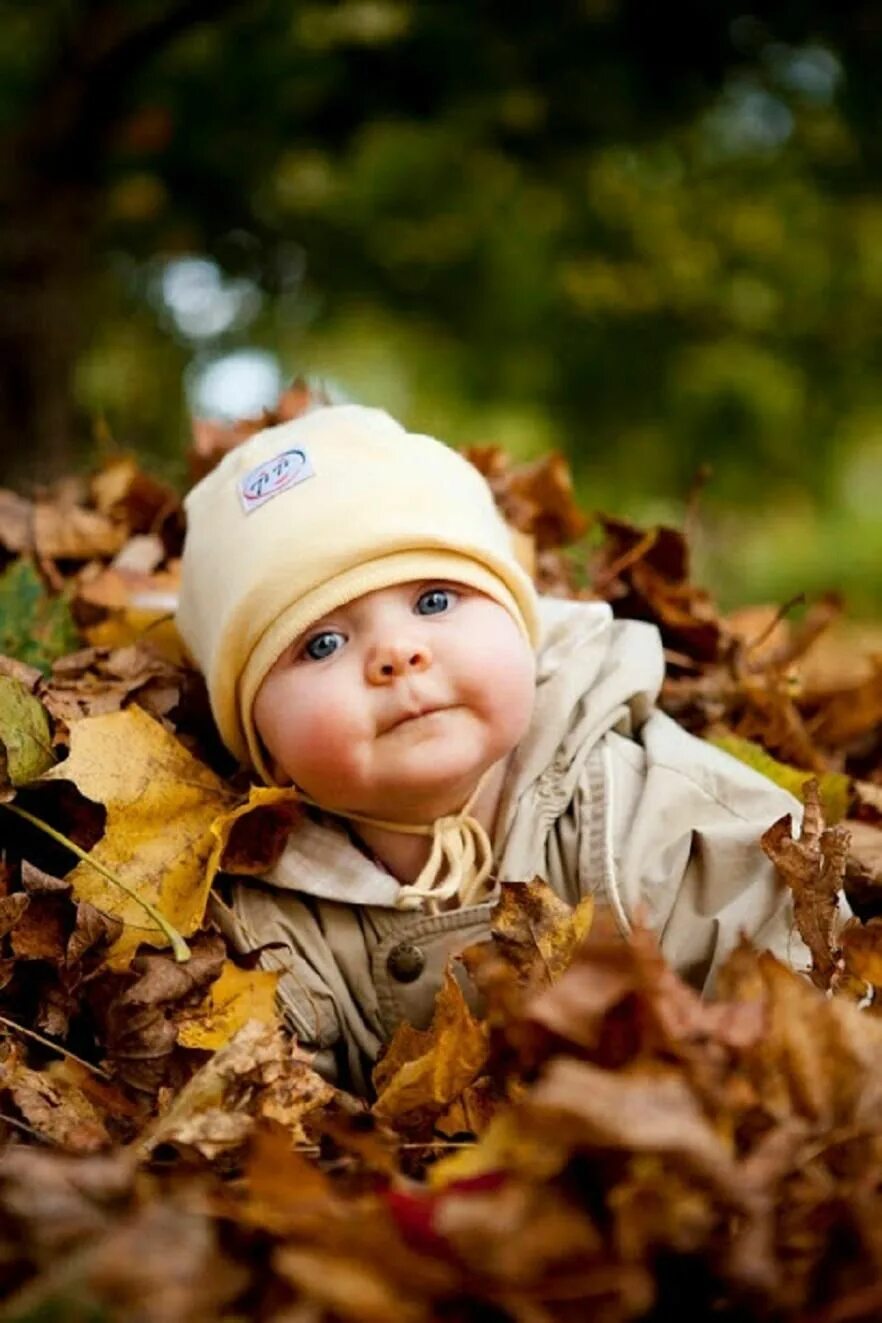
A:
x: 311, y: 514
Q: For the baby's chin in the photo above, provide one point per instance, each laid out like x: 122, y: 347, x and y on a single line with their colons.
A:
x: 437, y: 786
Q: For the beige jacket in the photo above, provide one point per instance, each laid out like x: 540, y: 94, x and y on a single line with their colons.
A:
x: 605, y: 794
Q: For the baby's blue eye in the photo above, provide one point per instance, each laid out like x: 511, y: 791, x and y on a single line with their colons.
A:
x: 323, y: 645
x: 434, y: 601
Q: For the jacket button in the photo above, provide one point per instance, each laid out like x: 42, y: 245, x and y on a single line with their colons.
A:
x: 405, y: 962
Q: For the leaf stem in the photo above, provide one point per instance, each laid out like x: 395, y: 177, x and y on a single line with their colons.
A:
x: 179, y: 946
x: 26, y: 1129
x: 56, y: 1047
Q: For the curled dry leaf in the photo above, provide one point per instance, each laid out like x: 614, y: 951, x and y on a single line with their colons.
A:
x: 92, y: 929
x: 814, y: 869
x: 235, y: 997
x: 53, y: 1104
x: 65, y: 531
x: 42, y: 931
x: 646, y: 577
x: 140, y: 1022
x: 123, y: 492
x: 259, y: 1073
x: 536, y: 932
x: 212, y: 440
x: 11, y: 910
x: 250, y: 837
x: 537, y: 498
x: 423, y: 1071
x: 97, y: 681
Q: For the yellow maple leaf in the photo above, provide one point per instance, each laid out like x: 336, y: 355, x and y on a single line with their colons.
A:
x: 237, y: 996
x: 161, y: 802
x: 428, y: 1069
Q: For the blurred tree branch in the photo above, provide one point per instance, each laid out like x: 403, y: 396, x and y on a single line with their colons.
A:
x: 49, y: 196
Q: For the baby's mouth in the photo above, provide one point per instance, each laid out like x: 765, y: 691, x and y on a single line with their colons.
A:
x: 416, y: 715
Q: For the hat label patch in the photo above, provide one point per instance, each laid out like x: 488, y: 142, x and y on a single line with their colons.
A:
x: 273, y: 477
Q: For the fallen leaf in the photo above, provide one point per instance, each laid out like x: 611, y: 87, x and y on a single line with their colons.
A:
x: 42, y: 931
x: 95, y: 682
x: 53, y: 1201
x: 161, y: 803
x: 11, y: 909
x: 281, y: 1188
x: 122, y: 492
x: 234, y: 998
x: 25, y: 738
x: 425, y: 1070
x: 250, y: 837
x: 35, y: 627
x: 537, y: 498
x: 140, y: 1022
x: 536, y: 932
x: 610, y: 979
x: 345, y: 1288
x: 820, y: 1058
x: 212, y: 439
x: 861, y: 946
x: 258, y: 1068
x: 54, y: 1106
x: 649, y: 1110
x: 505, y: 1145
x: 28, y: 676
x: 645, y: 576
x: 37, y: 882
x: 164, y: 1263
x: 814, y: 869
x: 65, y: 531
x: 834, y: 787
x: 850, y: 713
x: 863, y: 868
x: 92, y: 929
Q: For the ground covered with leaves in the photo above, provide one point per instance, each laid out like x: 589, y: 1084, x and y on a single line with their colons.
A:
x: 602, y: 1144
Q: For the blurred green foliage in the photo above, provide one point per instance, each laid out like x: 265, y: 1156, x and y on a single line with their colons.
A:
x: 649, y: 236
x: 35, y: 627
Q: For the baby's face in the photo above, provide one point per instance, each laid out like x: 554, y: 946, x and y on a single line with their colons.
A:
x: 393, y: 705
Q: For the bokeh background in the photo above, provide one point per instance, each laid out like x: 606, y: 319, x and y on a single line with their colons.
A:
x: 648, y: 235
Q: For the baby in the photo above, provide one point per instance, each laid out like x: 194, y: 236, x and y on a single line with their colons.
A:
x: 368, y: 635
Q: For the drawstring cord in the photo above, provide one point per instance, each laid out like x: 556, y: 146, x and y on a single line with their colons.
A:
x: 460, y: 860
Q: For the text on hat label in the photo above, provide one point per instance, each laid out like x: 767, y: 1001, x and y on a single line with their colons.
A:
x: 273, y: 477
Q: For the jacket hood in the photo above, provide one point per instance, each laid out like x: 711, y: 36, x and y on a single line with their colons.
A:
x: 594, y: 673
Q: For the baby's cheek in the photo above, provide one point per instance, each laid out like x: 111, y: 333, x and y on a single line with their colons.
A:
x: 505, y: 688
x: 327, y: 748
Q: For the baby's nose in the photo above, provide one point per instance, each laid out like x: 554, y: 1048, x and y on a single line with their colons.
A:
x: 386, y: 661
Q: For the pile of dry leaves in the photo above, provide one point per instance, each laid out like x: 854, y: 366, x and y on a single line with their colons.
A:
x: 603, y: 1144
